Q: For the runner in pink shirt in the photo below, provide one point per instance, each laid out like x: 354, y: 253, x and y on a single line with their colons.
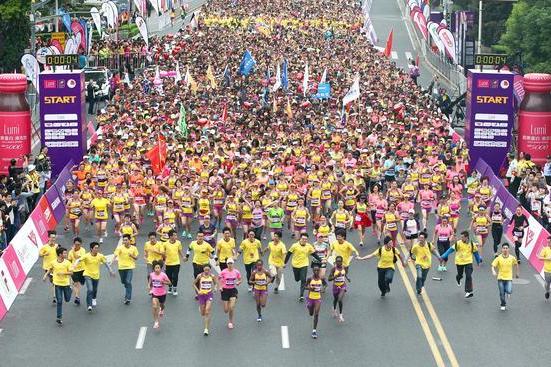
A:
x: 158, y: 281
x: 443, y: 234
x: 229, y: 278
x: 426, y: 197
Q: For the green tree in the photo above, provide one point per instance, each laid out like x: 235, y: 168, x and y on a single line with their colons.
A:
x: 528, y: 30
x: 14, y: 32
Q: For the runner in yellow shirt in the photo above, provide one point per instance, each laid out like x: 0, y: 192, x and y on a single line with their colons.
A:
x: 101, y: 206
x: 61, y: 278
x: 422, y: 253
x: 388, y: 255
x: 276, y: 260
x: 545, y: 256
x: 153, y: 251
x: 126, y: 255
x: 502, y: 268
x: 250, y: 248
x: 301, y: 252
x: 343, y: 248
x: 49, y: 256
x: 225, y: 248
x: 92, y: 261
x: 173, y: 257
x: 202, y: 251
x: 76, y: 252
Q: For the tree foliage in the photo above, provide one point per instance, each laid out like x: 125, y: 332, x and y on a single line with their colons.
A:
x: 528, y: 31
x: 14, y: 32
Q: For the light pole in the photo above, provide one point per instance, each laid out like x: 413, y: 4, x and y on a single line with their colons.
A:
x: 480, y: 6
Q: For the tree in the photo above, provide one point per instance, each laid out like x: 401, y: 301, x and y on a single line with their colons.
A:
x: 528, y: 30
x: 14, y: 33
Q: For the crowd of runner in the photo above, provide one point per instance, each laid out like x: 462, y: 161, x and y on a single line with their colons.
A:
x: 257, y: 163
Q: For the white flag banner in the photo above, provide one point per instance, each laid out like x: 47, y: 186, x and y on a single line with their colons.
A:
x: 193, y: 23
x: 107, y: 11
x: 115, y: 13
x: 433, y: 31
x: 138, y: 4
x: 305, y: 80
x: 32, y: 69
x: 77, y: 38
x: 69, y: 46
x: 323, y: 76
x: 448, y: 41
x: 277, y: 83
x: 142, y: 27
x: 96, y: 18
x: 354, y: 92
x: 178, y: 76
x: 155, y: 5
x: 126, y: 79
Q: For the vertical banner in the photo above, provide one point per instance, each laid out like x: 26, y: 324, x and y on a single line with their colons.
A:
x: 14, y: 267
x: 8, y: 290
x: 490, y: 116
x: 56, y: 203
x: 96, y: 18
x: 142, y: 27
x: 26, y: 244
x: 62, y: 117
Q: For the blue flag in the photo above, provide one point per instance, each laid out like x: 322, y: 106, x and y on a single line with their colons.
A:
x: 66, y: 19
x: 247, y: 63
x: 324, y: 91
x: 284, y: 78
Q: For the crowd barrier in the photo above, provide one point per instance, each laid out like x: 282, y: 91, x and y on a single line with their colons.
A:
x: 535, y: 236
x: 22, y: 253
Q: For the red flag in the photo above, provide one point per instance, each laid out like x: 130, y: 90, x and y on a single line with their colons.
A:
x: 225, y: 112
x: 388, y: 48
x: 417, y: 61
x: 157, y: 156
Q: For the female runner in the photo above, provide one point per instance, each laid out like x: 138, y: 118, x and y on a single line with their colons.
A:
x: 361, y: 218
x: 300, y: 217
x: 480, y: 225
x: 204, y: 285
x: 158, y: 281
x: 314, y: 285
x: 339, y: 278
x: 260, y: 278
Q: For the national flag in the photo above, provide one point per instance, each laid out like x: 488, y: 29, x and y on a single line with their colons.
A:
x: 305, y: 80
x: 247, y: 63
x: 157, y: 156
x: 277, y: 83
x: 211, y: 78
x: 178, y: 76
x: 388, y: 48
x: 284, y: 76
x: 323, y: 76
x: 288, y: 109
x: 353, y: 93
x: 227, y: 77
x: 518, y: 87
x: 182, y: 122
x: 274, y: 105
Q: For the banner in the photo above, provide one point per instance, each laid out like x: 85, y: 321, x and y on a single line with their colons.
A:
x: 115, y: 11
x: 247, y: 63
x: 63, y: 177
x: 433, y: 31
x: 490, y: 116
x: 62, y: 117
x: 324, y: 91
x: 353, y: 93
x: 8, y: 290
x: 420, y: 22
x: 107, y: 12
x: 14, y: 267
x: 76, y: 27
x: 96, y: 18
x: 449, y: 43
x: 142, y: 27
x: 66, y: 19
x: 155, y: 5
x: 57, y: 205
x: 26, y: 244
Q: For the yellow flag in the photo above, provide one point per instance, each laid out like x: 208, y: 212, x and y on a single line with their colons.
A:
x: 190, y: 82
x: 211, y: 78
x: 288, y: 110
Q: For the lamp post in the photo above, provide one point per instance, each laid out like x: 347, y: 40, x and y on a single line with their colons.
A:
x: 480, y: 6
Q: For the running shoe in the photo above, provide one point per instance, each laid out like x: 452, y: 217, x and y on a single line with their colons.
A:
x: 469, y: 295
x: 276, y: 291
x: 230, y: 325
x: 77, y: 301
x: 444, y: 268
x: 259, y: 319
x: 174, y: 293
x: 59, y: 322
x: 126, y: 302
x: 314, y: 334
x: 250, y: 289
x: 54, y: 301
x: 341, y: 319
x: 335, y: 313
x: 94, y: 302
x: 156, y: 325
x: 189, y: 236
x: 301, y: 299
x: 161, y: 313
x: 458, y: 281
x: 101, y: 240
x: 206, y: 332
x: 169, y: 289
x: 361, y: 244
x: 89, y: 308
x: 503, y: 308
x: 439, y: 267
x: 183, y: 236
x: 546, y: 295
x: 419, y: 291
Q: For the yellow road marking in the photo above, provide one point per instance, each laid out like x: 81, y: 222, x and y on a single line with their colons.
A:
x: 436, y: 321
x: 421, y: 316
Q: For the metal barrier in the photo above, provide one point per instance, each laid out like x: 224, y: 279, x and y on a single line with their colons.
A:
x: 118, y: 61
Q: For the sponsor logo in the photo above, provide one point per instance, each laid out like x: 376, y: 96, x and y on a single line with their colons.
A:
x: 504, y: 84
x: 50, y: 84
x: 494, y: 84
x: 71, y: 83
x: 60, y: 99
x: 61, y: 84
x: 483, y: 83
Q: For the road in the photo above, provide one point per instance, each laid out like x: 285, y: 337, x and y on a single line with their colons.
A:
x: 440, y: 328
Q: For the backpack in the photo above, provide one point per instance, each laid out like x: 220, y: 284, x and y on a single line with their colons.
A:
x: 394, y: 252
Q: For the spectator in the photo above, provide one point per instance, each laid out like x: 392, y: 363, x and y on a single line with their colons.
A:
x: 44, y: 168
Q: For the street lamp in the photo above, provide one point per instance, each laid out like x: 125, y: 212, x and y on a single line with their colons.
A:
x: 480, y: 5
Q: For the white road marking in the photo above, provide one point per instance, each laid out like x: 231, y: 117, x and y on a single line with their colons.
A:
x: 141, y: 337
x: 409, y: 56
x: 284, y: 337
x: 25, y: 285
x: 394, y: 55
x: 282, y: 283
x: 540, y: 280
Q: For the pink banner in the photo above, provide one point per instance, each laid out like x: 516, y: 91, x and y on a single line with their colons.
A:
x: 8, y: 290
x: 40, y: 223
x: 3, y: 309
x: 14, y: 266
x: 76, y: 27
x: 26, y: 244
